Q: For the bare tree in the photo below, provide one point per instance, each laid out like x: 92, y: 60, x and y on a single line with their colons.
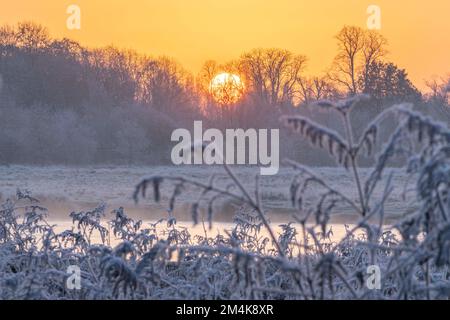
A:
x: 272, y: 74
x: 32, y: 36
x: 316, y: 88
x: 374, y: 50
x: 7, y: 36
x: 357, y: 50
x: 350, y: 46
x: 438, y: 97
x: 439, y: 90
x: 115, y: 70
x: 203, y: 82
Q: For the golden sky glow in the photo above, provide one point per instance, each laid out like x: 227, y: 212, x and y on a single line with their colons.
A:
x: 192, y: 31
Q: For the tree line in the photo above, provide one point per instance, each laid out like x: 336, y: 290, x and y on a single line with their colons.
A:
x: 61, y: 102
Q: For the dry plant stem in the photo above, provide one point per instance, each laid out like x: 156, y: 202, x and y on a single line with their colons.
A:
x: 441, y: 206
x: 202, y: 186
x: 257, y: 206
x: 300, y: 167
x: 245, y: 199
x: 307, y: 261
x: 353, y: 161
x: 427, y: 280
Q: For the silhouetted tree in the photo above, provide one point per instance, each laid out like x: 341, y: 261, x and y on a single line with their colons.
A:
x: 272, y: 75
x: 439, y: 91
x: 357, y: 50
x: 317, y: 88
x: 386, y: 81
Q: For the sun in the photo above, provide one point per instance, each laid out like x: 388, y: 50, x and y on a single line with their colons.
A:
x: 226, y: 88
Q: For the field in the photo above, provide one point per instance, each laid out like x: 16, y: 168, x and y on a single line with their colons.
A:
x: 66, y: 189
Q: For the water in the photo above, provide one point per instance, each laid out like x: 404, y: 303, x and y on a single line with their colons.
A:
x: 338, y: 231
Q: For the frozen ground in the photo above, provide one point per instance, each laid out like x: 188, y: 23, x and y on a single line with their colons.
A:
x: 66, y: 189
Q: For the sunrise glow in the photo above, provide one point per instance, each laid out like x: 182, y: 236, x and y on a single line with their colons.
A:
x: 194, y: 31
x: 226, y: 88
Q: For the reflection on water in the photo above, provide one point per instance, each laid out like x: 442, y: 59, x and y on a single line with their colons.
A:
x: 337, y: 231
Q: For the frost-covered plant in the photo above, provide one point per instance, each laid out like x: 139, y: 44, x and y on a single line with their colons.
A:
x: 253, y: 261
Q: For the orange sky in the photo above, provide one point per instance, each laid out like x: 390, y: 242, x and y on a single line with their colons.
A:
x: 192, y: 31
